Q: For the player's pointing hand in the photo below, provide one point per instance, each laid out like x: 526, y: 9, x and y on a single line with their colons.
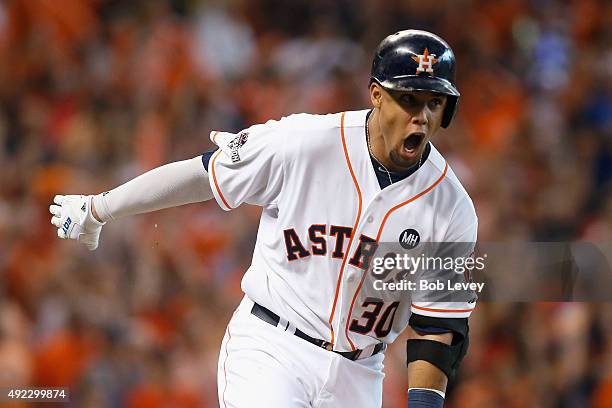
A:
x: 72, y: 216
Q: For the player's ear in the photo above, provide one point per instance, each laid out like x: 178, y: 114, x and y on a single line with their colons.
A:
x: 375, y: 94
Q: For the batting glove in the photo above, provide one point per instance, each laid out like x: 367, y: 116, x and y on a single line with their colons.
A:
x: 72, y: 216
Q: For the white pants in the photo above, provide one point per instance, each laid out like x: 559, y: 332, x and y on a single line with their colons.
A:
x: 265, y: 366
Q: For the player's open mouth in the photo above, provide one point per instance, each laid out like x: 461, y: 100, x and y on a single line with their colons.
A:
x: 413, y: 142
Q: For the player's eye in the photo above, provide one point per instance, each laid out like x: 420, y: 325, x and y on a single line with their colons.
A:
x: 408, y: 99
x: 435, y: 103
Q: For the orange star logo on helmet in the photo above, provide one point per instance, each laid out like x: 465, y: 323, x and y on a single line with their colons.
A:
x: 426, y: 62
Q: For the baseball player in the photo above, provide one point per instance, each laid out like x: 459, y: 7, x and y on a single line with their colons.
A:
x: 328, y: 184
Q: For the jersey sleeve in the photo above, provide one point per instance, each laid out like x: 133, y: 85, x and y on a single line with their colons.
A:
x: 247, y: 167
x: 459, y: 244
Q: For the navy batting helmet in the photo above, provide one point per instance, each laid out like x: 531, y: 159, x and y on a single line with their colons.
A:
x: 415, y: 60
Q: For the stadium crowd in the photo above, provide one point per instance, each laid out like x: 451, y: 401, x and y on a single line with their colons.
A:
x: 95, y: 92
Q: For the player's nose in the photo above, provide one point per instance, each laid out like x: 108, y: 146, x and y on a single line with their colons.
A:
x: 420, y: 117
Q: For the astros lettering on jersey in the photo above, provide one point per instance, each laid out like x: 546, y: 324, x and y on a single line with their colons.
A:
x: 321, y: 202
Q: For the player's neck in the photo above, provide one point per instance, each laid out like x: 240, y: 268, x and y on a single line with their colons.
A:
x: 377, y: 142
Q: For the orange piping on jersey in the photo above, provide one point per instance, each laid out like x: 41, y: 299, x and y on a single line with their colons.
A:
x: 380, y: 229
x: 422, y: 193
x: 427, y: 309
x: 348, y: 250
x: 214, y: 174
x: 214, y: 136
x: 229, y: 337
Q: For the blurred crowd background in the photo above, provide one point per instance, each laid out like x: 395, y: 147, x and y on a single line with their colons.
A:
x: 95, y: 92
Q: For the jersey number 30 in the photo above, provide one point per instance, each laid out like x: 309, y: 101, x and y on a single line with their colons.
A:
x: 373, y: 308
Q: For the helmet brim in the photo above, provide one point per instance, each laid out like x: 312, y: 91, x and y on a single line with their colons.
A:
x: 411, y: 83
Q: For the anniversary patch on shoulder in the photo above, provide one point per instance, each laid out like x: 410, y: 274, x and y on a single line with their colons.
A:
x: 235, y: 144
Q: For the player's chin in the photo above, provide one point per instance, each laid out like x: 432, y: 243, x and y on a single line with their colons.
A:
x: 403, y: 161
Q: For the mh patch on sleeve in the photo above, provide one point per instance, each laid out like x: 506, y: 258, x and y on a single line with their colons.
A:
x: 235, y: 144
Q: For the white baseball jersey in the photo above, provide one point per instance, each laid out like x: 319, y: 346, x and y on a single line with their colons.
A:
x: 321, y: 199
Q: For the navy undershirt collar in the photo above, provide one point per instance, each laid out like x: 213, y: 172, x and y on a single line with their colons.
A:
x: 383, y: 176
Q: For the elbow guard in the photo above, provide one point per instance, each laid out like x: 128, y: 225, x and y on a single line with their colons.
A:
x: 446, y: 357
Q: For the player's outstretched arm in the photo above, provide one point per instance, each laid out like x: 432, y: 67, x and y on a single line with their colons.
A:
x: 81, y: 217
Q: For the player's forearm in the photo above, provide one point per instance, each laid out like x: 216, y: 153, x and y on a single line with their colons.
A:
x: 171, y: 185
x: 423, y: 374
x: 426, y: 382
